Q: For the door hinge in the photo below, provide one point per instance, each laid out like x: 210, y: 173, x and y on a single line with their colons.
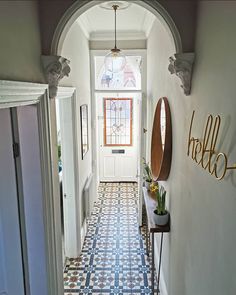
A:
x: 16, y: 149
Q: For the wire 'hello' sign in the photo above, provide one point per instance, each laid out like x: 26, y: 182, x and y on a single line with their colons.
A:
x: 203, y: 152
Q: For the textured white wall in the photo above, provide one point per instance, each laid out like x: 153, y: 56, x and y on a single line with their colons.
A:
x: 199, y: 256
x: 20, y: 50
x: 76, y: 49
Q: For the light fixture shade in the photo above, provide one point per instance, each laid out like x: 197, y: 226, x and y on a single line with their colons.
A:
x: 115, y: 61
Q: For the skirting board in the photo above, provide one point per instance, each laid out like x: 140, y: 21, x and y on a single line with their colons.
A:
x: 83, y: 232
x: 163, y: 288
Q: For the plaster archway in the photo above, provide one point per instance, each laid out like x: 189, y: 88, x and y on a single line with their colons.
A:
x: 78, y: 8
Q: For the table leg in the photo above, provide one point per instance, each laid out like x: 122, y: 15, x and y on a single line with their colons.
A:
x: 147, y: 236
x: 153, y: 264
x: 149, y: 243
x: 159, y: 267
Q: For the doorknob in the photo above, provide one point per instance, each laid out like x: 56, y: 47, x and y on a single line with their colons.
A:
x: 64, y: 195
x: 144, y: 130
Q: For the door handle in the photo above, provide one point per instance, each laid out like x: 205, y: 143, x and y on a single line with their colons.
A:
x: 65, y: 196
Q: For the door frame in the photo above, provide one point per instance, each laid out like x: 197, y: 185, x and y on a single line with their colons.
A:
x: 75, y: 245
x: 136, y: 98
x: 15, y: 94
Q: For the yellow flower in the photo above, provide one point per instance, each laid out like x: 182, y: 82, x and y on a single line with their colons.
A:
x: 153, y: 187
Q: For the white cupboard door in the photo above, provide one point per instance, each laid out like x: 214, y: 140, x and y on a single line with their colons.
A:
x: 31, y: 182
x: 68, y: 177
x: 11, y: 269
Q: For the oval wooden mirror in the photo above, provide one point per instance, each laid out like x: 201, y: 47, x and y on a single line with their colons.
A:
x: 161, y: 148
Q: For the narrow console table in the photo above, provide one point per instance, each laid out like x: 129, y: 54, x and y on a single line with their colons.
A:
x: 151, y: 229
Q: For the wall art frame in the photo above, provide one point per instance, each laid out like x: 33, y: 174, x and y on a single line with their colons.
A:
x: 84, y: 129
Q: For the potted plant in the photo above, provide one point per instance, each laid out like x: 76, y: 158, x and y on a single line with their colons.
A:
x: 147, y: 174
x: 161, y: 215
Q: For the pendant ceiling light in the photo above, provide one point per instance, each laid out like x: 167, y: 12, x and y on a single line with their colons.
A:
x: 115, y: 60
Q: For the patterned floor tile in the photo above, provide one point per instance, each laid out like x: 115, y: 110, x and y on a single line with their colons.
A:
x: 113, y: 260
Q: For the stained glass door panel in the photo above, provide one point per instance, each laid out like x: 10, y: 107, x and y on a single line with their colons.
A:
x: 118, y: 121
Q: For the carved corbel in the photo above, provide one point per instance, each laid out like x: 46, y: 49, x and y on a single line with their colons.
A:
x: 182, y: 65
x: 55, y: 68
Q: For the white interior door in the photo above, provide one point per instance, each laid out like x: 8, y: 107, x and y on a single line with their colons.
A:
x: 31, y: 182
x: 11, y: 268
x: 118, y: 137
x: 71, y: 243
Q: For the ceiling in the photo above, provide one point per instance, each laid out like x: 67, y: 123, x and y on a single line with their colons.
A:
x: 133, y: 23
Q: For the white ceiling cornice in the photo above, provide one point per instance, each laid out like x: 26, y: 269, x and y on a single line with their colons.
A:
x: 140, y: 29
x: 121, y: 35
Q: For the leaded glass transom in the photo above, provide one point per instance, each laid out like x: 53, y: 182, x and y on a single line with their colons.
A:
x: 118, y: 121
x: 129, y: 78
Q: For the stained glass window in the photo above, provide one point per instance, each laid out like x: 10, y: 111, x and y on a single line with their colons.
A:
x: 118, y: 121
x: 129, y: 78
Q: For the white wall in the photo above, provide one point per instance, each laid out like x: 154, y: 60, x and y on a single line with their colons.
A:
x: 159, y: 84
x: 20, y: 50
x: 199, y: 253
x: 76, y: 49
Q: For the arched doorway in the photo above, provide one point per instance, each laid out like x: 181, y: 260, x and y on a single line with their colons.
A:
x: 77, y: 9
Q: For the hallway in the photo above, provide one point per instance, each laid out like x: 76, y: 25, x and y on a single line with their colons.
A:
x: 113, y: 259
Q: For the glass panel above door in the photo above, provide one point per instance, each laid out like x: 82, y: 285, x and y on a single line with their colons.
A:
x: 128, y: 79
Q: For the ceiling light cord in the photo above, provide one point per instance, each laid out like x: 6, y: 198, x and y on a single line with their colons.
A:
x: 115, y: 60
x: 115, y: 7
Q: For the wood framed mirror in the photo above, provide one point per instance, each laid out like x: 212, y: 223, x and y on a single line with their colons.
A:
x: 161, y: 147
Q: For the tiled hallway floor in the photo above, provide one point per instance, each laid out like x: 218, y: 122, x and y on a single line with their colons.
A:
x: 113, y: 259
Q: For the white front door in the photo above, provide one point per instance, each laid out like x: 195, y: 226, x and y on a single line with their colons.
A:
x: 11, y: 269
x: 118, y: 137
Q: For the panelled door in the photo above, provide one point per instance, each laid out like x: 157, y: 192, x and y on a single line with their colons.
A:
x: 118, y: 138
x: 11, y: 266
x: 68, y: 156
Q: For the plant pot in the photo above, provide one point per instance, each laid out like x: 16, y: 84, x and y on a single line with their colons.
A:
x: 160, y: 219
x: 147, y: 185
